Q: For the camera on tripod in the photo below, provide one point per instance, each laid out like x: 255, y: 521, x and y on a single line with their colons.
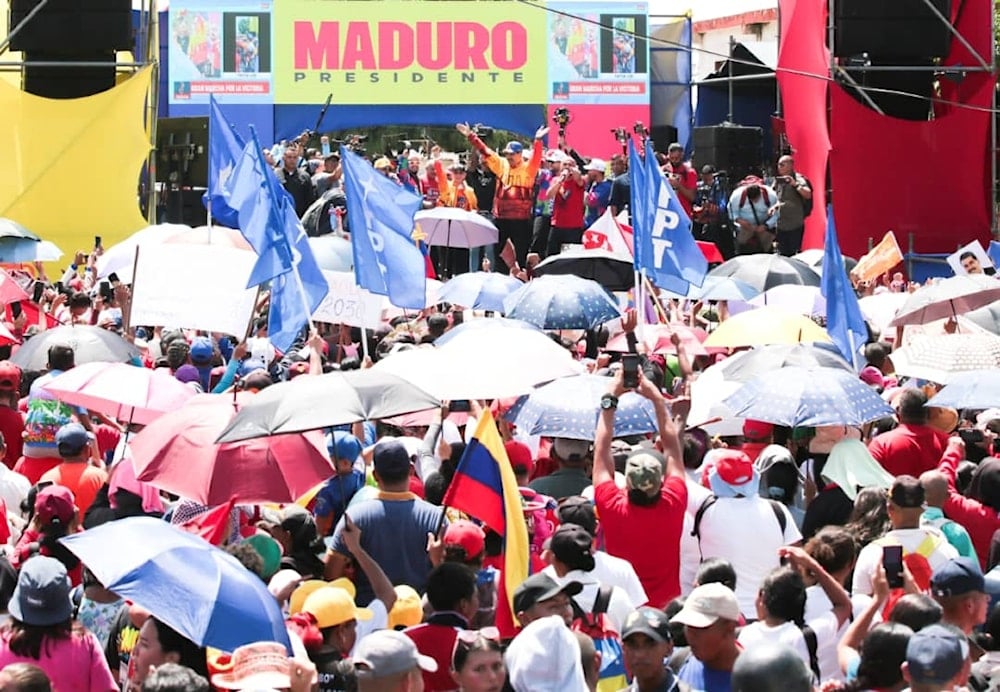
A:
x: 621, y: 135
x: 640, y: 129
x: 562, y: 118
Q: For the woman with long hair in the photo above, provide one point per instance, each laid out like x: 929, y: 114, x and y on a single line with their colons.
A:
x: 477, y: 662
x: 55, y: 516
x: 870, y: 518
x: 41, y: 631
x: 158, y: 644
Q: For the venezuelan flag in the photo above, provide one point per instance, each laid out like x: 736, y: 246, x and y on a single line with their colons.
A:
x: 484, y: 487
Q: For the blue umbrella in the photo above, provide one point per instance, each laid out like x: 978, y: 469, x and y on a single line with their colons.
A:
x: 808, y: 396
x: 562, y: 302
x: 970, y: 389
x: 479, y: 290
x: 569, y: 407
x: 497, y: 324
x: 720, y: 288
x: 200, y: 591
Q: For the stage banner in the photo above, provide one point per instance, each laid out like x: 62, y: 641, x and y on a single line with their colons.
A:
x: 396, y: 52
x: 220, y: 47
x: 597, y: 52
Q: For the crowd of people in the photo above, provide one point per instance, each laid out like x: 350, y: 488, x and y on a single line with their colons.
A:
x: 769, y: 557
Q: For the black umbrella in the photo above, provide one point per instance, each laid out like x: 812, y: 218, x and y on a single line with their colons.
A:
x: 322, y: 401
x: 767, y: 271
x: 612, y: 270
x: 89, y: 344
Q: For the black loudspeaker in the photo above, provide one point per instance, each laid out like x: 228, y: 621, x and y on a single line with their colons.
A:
x: 72, y: 26
x: 905, y: 94
x: 730, y: 148
x: 65, y: 82
x: 891, y: 29
x: 662, y: 136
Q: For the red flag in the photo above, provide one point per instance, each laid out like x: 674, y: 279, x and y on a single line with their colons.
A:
x: 608, y: 234
x: 710, y: 251
x: 214, y: 525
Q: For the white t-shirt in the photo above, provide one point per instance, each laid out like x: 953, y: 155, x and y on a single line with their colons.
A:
x: 745, y: 531
x: 379, y: 621
x: 619, y: 607
x: 615, y: 571
x: 818, y: 604
x: 690, y: 554
x: 910, y: 539
x: 789, y: 635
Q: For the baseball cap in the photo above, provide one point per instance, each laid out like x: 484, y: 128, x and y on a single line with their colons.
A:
x: 302, y: 592
x: 390, y: 457
x: 652, y: 622
x: 935, y: 655
x: 385, y: 653
x: 10, y: 376
x: 554, y: 155
x: 71, y: 439
x: 757, y: 429
x: 469, y: 536
x: 382, y: 163
x: 572, y: 546
x: 906, y: 492
x: 269, y: 551
x: 541, y: 587
x: 570, y: 450
x: 707, y: 604
x: 343, y: 445
x: 733, y: 475
x: 55, y: 502
x: 201, y: 350
x: 957, y: 577
x: 578, y: 510
x: 520, y: 456
x: 871, y: 375
x: 332, y: 606
x: 513, y: 148
x: 41, y: 597
x: 644, y: 471
x: 596, y: 165
x: 408, y: 610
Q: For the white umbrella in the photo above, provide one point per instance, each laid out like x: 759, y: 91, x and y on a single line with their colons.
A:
x: 708, y: 392
x: 484, y: 364
x: 453, y: 227
x: 940, y: 358
x: 949, y: 297
x: 120, y: 257
x: 879, y: 309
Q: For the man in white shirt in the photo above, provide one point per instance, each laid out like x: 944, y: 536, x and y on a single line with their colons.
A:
x: 608, y: 569
x: 906, y: 505
x: 571, y: 557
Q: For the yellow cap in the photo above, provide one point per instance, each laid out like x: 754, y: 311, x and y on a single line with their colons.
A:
x: 383, y: 163
x: 302, y: 592
x: 332, y: 606
x: 345, y: 584
x: 408, y: 610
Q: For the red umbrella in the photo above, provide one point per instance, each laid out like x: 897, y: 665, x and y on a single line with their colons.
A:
x: 177, y: 452
x: 10, y: 290
x: 657, y: 339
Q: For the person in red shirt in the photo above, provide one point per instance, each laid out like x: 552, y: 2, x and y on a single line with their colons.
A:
x: 756, y: 435
x: 913, y: 447
x: 79, y: 471
x: 11, y: 421
x: 979, y: 512
x: 643, y: 523
x: 566, y: 192
x: 452, y: 593
x: 682, y: 176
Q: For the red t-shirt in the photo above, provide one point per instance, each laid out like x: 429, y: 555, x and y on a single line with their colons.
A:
x: 12, y: 427
x: 567, y: 212
x: 33, y: 468
x: 909, y: 449
x: 689, y: 180
x: 646, y: 536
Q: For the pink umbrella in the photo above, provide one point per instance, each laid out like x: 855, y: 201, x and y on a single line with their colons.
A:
x: 129, y: 393
x: 657, y: 339
x: 177, y: 453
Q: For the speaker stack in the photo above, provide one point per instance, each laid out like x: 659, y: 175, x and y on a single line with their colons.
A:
x: 731, y: 148
x: 74, y: 34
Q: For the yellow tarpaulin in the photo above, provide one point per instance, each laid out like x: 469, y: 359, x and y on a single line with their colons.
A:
x: 71, y: 166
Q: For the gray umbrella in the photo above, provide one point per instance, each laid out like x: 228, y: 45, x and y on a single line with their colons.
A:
x: 12, y: 229
x: 767, y: 271
x: 777, y: 356
x: 612, y: 270
x: 949, y: 297
x: 89, y: 344
x: 322, y: 401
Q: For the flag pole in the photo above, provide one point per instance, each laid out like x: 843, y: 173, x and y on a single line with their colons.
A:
x: 364, y: 342
x: 208, y: 221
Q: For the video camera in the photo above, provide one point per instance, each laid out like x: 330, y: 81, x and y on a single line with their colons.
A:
x: 482, y: 131
x: 640, y: 129
x: 621, y: 135
x: 562, y: 118
x: 354, y: 142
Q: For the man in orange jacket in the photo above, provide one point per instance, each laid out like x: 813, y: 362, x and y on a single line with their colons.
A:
x: 513, y: 206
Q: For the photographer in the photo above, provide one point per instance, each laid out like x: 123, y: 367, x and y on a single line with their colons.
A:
x: 681, y: 176
x: 514, y: 203
x: 710, y: 219
x: 566, y: 193
x: 794, y: 205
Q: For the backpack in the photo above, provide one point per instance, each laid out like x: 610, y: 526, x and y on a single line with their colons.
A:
x: 776, y: 507
x: 812, y: 646
x: 807, y: 204
x: 607, y: 640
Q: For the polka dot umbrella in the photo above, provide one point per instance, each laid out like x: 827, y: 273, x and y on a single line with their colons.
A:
x: 806, y: 397
x: 562, y: 302
x: 939, y: 358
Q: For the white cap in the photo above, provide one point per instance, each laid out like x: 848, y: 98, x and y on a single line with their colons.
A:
x: 596, y: 165
x: 707, y: 604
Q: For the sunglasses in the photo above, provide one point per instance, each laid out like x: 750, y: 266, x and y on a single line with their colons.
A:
x: 472, y: 636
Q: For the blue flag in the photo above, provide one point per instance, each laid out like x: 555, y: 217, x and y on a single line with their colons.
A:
x: 638, y: 202
x: 994, y: 253
x: 844, y: 321
x: 387, y: 261
x: 664, y: 247
x: 225, y: 146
